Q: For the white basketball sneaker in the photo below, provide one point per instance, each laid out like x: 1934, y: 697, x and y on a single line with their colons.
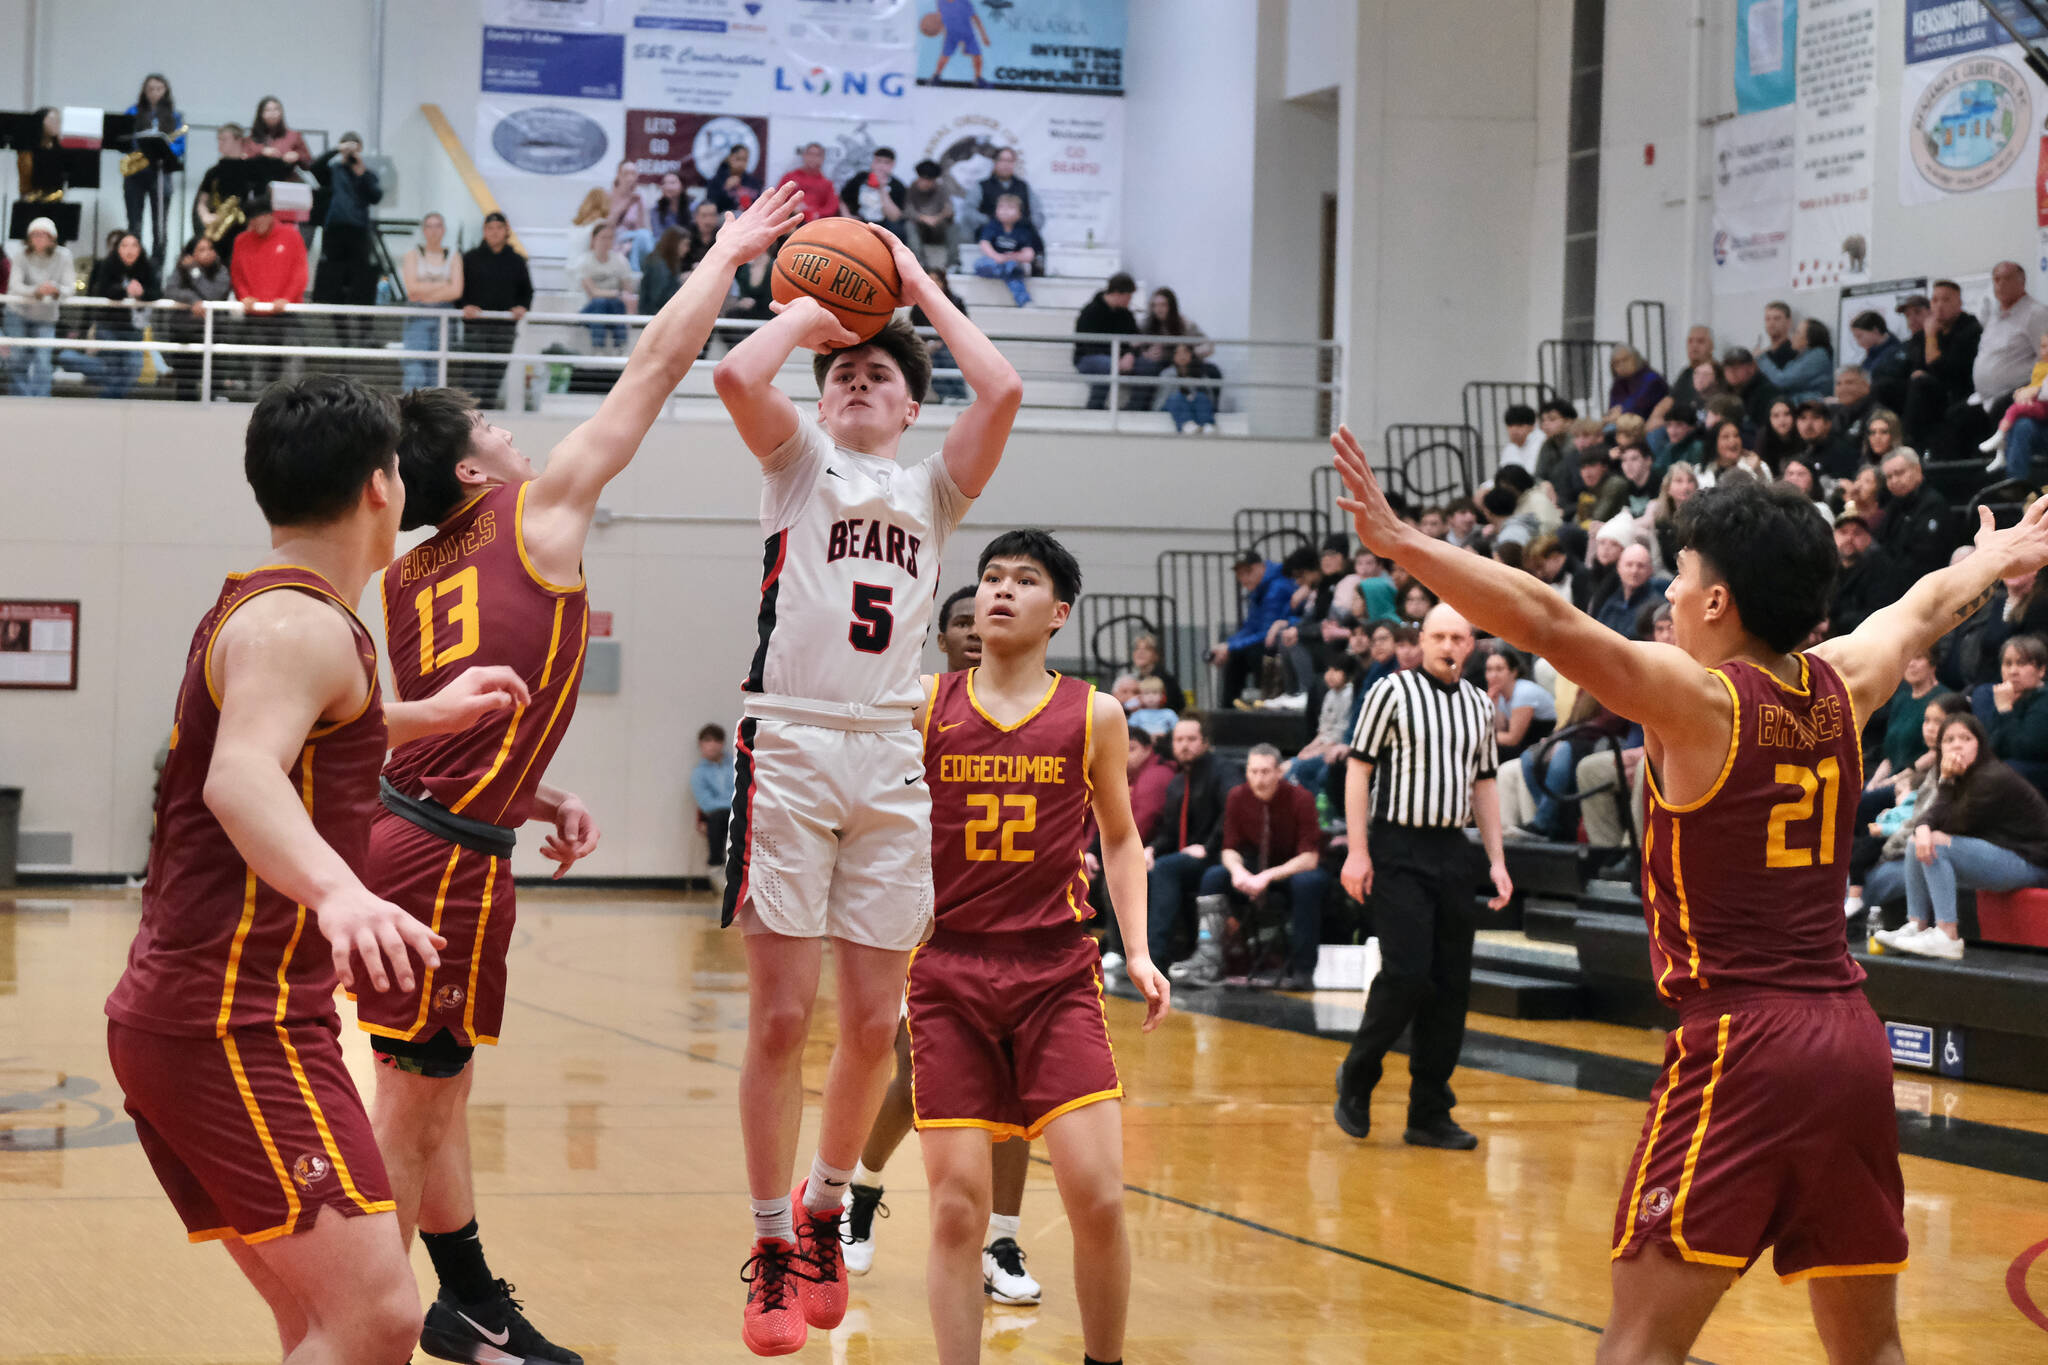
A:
x: 863, y: 1202
x: 1003, y: 1276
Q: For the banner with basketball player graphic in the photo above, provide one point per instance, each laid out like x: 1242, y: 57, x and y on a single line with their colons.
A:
x: 1065, y: 46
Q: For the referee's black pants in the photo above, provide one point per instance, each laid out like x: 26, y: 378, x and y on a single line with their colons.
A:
x: 1423, y: 890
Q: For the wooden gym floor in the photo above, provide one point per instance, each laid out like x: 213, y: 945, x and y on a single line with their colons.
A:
x: 610, y: 1184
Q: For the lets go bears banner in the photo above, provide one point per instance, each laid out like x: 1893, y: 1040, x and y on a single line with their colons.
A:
x: 571, y: 87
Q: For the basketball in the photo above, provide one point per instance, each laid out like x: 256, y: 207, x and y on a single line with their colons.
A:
x: 842, y: 264
x: 931, y: 25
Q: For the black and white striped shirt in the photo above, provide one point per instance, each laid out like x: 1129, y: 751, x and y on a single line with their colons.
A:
x: 1428, y: 744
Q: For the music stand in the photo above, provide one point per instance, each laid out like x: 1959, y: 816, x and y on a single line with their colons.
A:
x: 155, y: 144
x: 66, y: 217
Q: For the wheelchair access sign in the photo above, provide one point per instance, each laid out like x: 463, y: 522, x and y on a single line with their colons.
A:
x: 1926, y: 1048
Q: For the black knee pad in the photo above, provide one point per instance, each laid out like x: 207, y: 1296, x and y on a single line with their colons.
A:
x: 438, y: 1058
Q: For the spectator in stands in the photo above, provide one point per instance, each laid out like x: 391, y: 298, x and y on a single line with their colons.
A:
x: 433, y: 279
x: 1523, y: 712
x: 1808, y: 372
x: 1125, y: 689
x: 1310, y: 768
x: 1883, y: 353
x: 1154, y: 714
x: 661, y: 274
x: 2014, y: 325
x: 1886, y: 819
x: 2015, y: 708
x: 1525, y: 442
x: 1416, y: 602
x: 1780, y: 437
x: 1739, y: 372
x: 1987, y: 830
x: 1778, y: 342
x: 1602, y: 490
x: 1557, y: 463
x: 820, y: 199
x: 606, y: 278
x: 269, y: 137
x: 876, y: 195
x: 1625, y: 610
x: 39, y: 169
x: 711, y: 790
x: 1555, y: 566
x: 946, y: 388
x: 1108, y: 312
x: 626, y: 214
x: 1005, y: 180
x: 155, y: 111
x: 1189, y: 834
x: 1267, y: 590
x: 2026, y: 405
x: 1680, y: 482
x: 1834, y: 435
x: 1637, y: 388
x: 1461, y: 522
x: 1919, y: 524
x: 1699, y: 350
x: 1163, y: 318
x: 269, y: 273
x: 1272, y: 838
x: 1009, y: 245
x: 494, y: 279
x: 1732, y: 456
x: 1641, y: 475
x: 671, y: 207
x: 1870, y: 578
x: 348, y: 270
x: 753, y: 289
x: 1149, y: 776
x: 934, y: 234
x: 1900, y: 743
x: 198, y: 278
x: 1681, y: 439
x: 1191, y: 404
x: 1940, y: 361
x: 124, y: 275
x: 43, y: 273
x: 1148, y: 662
x: 213, y: 215
x: 699, y: 235
x: 1369, y: 591
x: 1799, y: 473
x: 735, y: 185
x: 2018, y: 606
x: 1863, y: 493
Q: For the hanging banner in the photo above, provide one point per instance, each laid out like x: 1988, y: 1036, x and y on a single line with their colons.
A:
x: 699, y: 73
x: 1966, y: 126
x: 849, y: 145
x: 1836, y: 121
x: 1939, y: 29
x: 692, y: 146
x: 1765, y: 53
x: 1069, y: 151
x: 538, y: 61
x: 735, y: 18
x: 1754, y: 160
x: 562, y: 14
x: 2041, y: 208
x: 1070, y: 46
x: 540, y: 157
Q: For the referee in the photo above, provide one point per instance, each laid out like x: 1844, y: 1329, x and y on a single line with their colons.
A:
x: 1428, y: 734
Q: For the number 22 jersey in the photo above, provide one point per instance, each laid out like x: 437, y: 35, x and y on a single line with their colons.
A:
x: 850, y: 573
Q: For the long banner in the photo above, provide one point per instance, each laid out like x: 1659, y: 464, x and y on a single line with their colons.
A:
x: 1754, y: 160
x: 1837, y: 129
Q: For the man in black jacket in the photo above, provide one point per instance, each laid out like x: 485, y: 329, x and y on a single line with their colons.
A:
x: 1870, y: 577
x: 876, y: 195
x: 1919, y: 525
x: 494, y: 280
x: 1109, y: 311
x: 1747, y: 383
x: 1939, y: 362
x: 1189, y: 836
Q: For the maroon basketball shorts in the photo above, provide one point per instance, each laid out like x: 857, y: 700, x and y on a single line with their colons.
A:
x: 466, y: 898
x: 1007, y: 1031
x: 1772, y: 1126
x: 252, y: 1134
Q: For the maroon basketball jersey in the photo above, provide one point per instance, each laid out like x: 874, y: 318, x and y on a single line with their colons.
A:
x: 1744, y: 886
x: 218, y: 949
x: 470, y: 597
x: 1010, y: 808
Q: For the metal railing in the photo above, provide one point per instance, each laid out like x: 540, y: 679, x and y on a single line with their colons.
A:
x: 1578, y: 371
x: 1107, y: 622
x: 1430, y: 463
x: 215, y: 349
x: 1485, y: 402
x: 1646, y: 333
x: 1204, y: 589
x: 1276, y: 532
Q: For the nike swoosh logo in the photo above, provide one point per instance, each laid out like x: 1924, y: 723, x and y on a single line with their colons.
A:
x: 495, y: 1338
x: 944, y: 726
x: 833, y: 472
x: 911, y: 781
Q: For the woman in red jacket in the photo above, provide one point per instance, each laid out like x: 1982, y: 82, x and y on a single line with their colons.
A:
x: 268, y: 136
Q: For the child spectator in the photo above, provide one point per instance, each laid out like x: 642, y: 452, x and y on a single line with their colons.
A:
x: 711, y: 787
x: 2026, y: 402
x: 1154, y: 716
x: 1310, y: 768
x: 1008, y: 247
x: 1525, y: 442
x: 1194, y: 403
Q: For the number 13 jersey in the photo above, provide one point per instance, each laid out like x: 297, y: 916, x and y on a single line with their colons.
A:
x: 471, y: 597
x: 1744, y: 887
x: 850, y: 572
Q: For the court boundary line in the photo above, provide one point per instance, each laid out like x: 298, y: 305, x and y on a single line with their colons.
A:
x: 1358, y: 1256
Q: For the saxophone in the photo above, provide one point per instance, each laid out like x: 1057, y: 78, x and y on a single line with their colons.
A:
x: 135, y: 162
x: 227, y: 217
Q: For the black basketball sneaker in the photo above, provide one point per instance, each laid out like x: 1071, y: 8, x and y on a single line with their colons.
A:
x: 493, y: 1332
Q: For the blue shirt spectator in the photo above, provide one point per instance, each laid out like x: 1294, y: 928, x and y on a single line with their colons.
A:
x: 1810, y: 373
x: 711, y: 783
x: 1266, y: 603
x: 1635, y: 591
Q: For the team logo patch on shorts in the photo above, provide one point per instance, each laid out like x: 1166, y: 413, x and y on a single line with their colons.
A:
x: 1656, y: 1204
x: 448, y: 998
x: 310, y: 1170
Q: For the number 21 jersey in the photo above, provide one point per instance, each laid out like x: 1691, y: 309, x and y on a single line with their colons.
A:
x: 850, y: 572
x: 470, y: 597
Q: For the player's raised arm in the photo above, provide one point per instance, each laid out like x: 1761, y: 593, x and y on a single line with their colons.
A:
x: 1659, y: 686
x: 1123, y: 854
x: 596, y: 451
x: 282, y: 664
x: 745, y: 378
x: 1872, y: 658
x: 974, y: 443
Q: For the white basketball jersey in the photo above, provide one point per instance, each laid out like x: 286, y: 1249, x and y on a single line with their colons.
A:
x: 851, y: 571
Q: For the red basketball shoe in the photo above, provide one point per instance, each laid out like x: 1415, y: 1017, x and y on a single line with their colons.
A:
x: 822, y: 1291
x: 773, y: 1323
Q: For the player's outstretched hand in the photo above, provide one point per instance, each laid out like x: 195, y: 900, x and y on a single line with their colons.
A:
x: 822, y: 332
x: 1153, y: 985
x: 575, y: 835
x: 767, y: 221
x: 1378, y: 528
x: 477, y: 693
x: 358, y: 924
x: 2022, y: 547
